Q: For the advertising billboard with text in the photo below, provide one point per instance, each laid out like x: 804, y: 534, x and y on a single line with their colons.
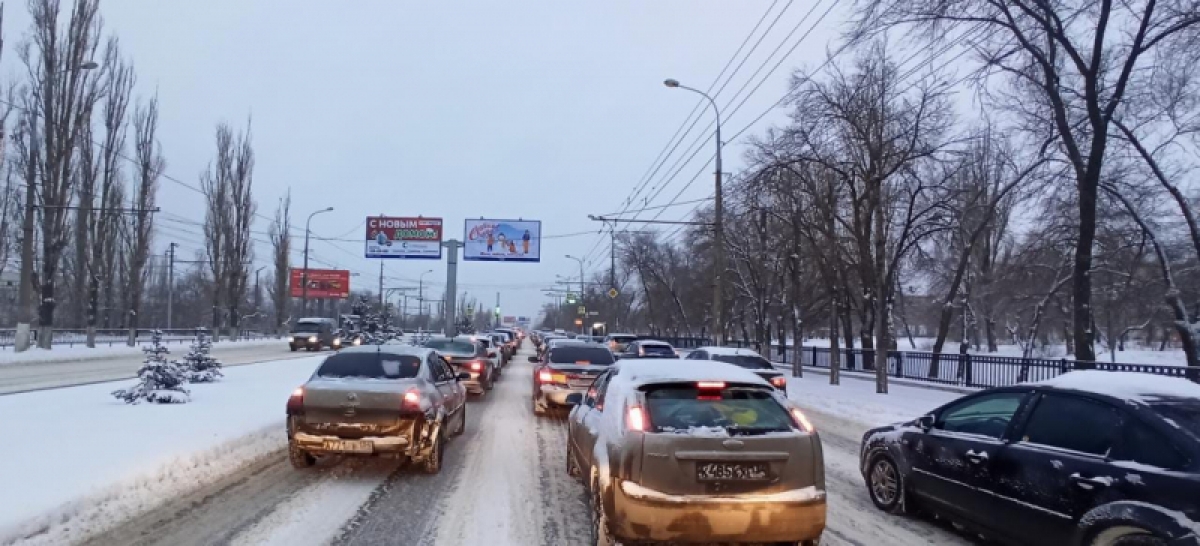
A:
x: 404, y: 237
x: 503, y: 240
x: 322, y: 283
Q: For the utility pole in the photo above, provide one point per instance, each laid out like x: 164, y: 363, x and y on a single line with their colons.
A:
x: 380, y: 286
x: 448, y: 309
x: 496, y: 313
x: 171, y: 281
x: 25, y: 292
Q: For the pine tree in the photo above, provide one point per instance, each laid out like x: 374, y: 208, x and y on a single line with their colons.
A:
x: 159, y: 381
x: 199, y: 366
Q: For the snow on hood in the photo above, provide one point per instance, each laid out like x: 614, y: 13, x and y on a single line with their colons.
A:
x: 1125, y: 385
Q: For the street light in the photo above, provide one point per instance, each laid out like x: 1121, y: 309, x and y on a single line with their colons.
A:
x: 304, y: 273
x: 581, y: 281
x: 421, y: 295
x: 718, y: 217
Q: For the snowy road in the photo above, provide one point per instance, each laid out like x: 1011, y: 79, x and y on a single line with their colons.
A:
x: 24, y: 377
x: 502, y: 483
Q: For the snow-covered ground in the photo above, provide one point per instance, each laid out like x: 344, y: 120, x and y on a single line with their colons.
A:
x: 81, y: 352
x: 80, y: 460
x: 1132, y: 355
x: 856, y: 400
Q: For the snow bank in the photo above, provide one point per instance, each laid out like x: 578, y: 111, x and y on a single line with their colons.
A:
x: 81, y: 460
x: 857, y: 400
x: 80, y: 352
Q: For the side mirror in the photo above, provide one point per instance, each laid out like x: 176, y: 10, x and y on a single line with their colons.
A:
x: 533, y: 359
x: 462, y: 376
x: 574, y: 399
x: 926, y: 422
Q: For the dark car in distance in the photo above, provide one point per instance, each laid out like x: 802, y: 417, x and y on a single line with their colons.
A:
x: 566, y: 368
x: 743, y: 358
x: 1089, y: 458
x: 649, y: 348
x: 312, y: 334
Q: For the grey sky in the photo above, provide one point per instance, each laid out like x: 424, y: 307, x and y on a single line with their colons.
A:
x: 543, y: 110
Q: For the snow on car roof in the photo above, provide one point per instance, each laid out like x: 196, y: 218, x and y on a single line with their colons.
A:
x: 729, y: 351
x: 1125, y: 385
x: 642, y: 372
x: 397, y: 348
x: 653, y: 343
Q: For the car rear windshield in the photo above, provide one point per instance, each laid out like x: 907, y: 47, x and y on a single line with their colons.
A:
x: 377, y: 365
x: 689, y: 409
x: 623, y: 339
x: 1183, y: 414
x: 307, y: 327
x: 485, y: 342
x: 657, y: 350
x: 750, y: 362
x: 451, y: 346
x: 568, y: 354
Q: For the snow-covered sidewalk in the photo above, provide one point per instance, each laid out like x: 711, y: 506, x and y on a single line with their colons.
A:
x: 856, y: 400
x: 78, y: 353
x: 80, y: 460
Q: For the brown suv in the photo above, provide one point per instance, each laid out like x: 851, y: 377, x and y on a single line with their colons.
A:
x: 695, y: 451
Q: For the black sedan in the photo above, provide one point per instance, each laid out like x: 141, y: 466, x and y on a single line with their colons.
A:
x: 1088, y: 458
x: 744, y: 358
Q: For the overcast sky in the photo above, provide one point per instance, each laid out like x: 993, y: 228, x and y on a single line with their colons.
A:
x: 548, y: 110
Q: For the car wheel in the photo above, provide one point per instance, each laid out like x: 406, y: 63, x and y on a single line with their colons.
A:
x: 300, y: 459
x: 292, y: 347
x: 601, y: 533
x: 572, y: 466
x: 539, y: 408
x: 491, y: 382
x: 1125, y: 535
x: 433, y: 464
x: 462, y: 421
x: 885, y: 485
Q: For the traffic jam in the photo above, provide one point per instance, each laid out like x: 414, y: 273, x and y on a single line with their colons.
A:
x: 704, y: 445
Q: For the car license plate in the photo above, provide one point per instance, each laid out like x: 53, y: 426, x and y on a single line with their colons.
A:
x: 721, y: 472
x: 348, y: 446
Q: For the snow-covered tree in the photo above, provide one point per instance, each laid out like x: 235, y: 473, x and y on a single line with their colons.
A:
x: 159, y: 381
x: 199, y: 366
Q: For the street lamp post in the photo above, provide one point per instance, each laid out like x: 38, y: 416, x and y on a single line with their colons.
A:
x: 718, y: 218
x: 421, y: 297
x: 581, y: 287
x: 304, y: 273
x: 257, y: 291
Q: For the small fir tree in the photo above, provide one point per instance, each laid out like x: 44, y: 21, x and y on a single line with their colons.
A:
x: 199, y: 365
x: 159, y: 381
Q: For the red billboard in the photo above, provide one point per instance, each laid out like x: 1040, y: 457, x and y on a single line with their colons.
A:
x: 404, y: 237
x: 322, y: 283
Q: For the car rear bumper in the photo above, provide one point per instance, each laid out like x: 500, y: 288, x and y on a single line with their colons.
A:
x: 322, y: 444
x: 645, y: 514
x: 557, y: 394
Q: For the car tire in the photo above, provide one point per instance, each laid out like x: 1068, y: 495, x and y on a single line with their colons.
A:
x: 1125, y: 535
x: 885, y: 485
x: 299, y: 458
x: 601, y: 530
x: 462, y: 421
x: 292, y: 347
x: 433, y: 464
x: 573, y: 469
x: 539, y: 409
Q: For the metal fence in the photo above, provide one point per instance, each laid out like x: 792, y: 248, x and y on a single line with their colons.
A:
x: 114, y: 337
x: 964, y: 370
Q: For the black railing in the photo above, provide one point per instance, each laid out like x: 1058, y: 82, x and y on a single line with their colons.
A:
x: 115, y: 336
x: 965, y: 370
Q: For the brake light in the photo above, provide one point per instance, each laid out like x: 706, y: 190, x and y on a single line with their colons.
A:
x: 477, y: 366
x: 412, y: 399
x: 779, y: 382
x: 710, y: 385
x: 636, y: 419
x: 545, y: 376
x: 802, y: 420
x: 295, y: 403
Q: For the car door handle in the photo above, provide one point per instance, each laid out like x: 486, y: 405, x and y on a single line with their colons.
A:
x: 1090, y: 483
x: 976, y: 457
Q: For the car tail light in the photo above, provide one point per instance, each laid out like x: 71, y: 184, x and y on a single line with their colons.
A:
x: 477, y: 366
x: 295, y: 403
x: 412, y: 400
x: 636, y: 419
x: 802, y: 420
x: 779, y: 382
x: 545, y: 376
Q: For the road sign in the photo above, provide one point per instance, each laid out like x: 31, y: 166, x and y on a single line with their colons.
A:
x: 613, y: 293
x: 593, y: 313
x: 582, y: 310
x: 570, y: 297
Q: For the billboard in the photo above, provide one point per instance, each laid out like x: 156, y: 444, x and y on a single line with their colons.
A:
x: 503, y: 240
x: 404, y: 237
x: 322, y: 283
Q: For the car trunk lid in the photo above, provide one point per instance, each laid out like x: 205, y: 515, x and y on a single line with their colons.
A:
x: 348, y: 405
x: 575, y: 375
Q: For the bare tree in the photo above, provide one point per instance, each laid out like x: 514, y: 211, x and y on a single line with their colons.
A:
x: 217, y: 221
x: 227, y: 187
x: 281, y: 245
x: 239, y: 247
x: 1070, y: 66
x: 149, y: 166
x: 63, y: 96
